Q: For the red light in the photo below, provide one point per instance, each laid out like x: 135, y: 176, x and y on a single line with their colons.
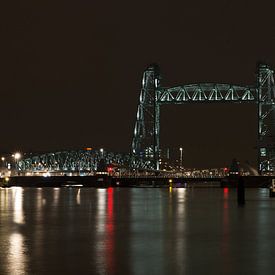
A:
x: 225, y: 190
x: 225, y: 169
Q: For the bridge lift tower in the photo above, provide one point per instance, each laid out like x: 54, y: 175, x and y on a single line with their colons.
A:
x: 146, y: 140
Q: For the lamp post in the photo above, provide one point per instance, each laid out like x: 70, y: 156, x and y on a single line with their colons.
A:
x: 16, y: 156
x: 181, y: 150
x: 3, y: 161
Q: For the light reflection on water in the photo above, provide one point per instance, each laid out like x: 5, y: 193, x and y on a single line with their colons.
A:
x: 16, y: 254
x: 18, y: 213
x: 181, y: 230
x: 100, y: 245
x: 135, y: 231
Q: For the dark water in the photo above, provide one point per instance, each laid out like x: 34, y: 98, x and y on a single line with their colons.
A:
x: 136, y: 231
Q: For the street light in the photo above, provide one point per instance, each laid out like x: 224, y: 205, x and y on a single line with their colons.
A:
x: 3, y: 161
x: 17, y: 156
x: 181, y: 150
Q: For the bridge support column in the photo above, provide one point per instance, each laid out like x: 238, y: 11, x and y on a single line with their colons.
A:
x: 156, y: 134
x: 145, y: 142
x: 266, y: 119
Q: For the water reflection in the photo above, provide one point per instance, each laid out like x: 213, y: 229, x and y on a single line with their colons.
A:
x: 18, y: 213
x: 109, y: 247
x: 180, y: 230
x: 147, y: 226
x: 56, y: 195
x: 100, y: 231
x: 135, y: 231
x: 78, y: 199
x: 104, y: 247
x: 225, y: 231
x: 16, y: 254
x: 39, y: 205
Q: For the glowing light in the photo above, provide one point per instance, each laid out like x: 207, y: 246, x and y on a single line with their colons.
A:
x: 17, y: 156
x: 110, y: 169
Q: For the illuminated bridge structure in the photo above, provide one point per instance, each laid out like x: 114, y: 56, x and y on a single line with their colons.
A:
x: 79, y: 161
x: 146, y: 139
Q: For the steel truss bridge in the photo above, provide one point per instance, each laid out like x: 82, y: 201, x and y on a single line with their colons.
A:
x: 80, y: 161
x: 146, y: 140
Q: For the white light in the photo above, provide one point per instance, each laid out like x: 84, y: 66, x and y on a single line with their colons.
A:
x: 17, y: 156
x: 2, y: 158
x: 47, y: 174
x: 181, y: 149
x: 101, y: 150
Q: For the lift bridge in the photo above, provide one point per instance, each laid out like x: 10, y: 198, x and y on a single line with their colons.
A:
x: 146, y: 140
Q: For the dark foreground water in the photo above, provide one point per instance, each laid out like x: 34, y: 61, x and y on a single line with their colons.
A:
x: 136, y: 231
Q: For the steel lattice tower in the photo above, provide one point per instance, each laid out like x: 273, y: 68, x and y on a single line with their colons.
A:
x: 146, y: 138
x: 146, y: 133
x: 266, y: 119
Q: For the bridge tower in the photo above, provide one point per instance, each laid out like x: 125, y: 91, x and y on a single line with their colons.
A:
x: 145, y: 142
x: 266, y: 119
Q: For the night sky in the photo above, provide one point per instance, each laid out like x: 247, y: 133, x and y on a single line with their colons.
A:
x: 71, y: 73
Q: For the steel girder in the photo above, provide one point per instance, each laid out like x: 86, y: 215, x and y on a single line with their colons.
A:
x: 206, y: 92
x: 79, y: 161
x: 147, y: 129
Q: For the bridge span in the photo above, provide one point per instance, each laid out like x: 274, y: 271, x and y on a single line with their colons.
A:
x: 146, y: 153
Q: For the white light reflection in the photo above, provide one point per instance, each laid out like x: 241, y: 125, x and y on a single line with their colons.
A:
x: 181, y: 195
x: 180, y: 230
x: 56, y: 194
x: 18, y: 213
x: 4, y: 199
x: 78, y: 199
x: 147, y: 228
x: 100, y: 231
x: 16, y: 254
x: 39, y: 204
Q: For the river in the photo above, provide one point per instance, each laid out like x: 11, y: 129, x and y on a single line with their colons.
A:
x: 136, y: 231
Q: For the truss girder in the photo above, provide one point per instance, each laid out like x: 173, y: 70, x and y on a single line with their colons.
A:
x: 262, y: 93
x: 206, y: 92
x: 80, y: 161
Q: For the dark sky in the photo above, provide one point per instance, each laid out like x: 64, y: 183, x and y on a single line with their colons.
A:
x: 71, y: 72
